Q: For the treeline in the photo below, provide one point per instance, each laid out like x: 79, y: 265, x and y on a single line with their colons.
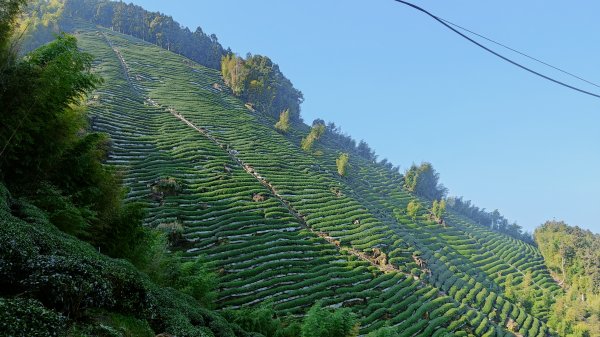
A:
x: 153, y: 27
x: 423, y: 181
x: 493, y: 220
x: 255, y: 79
x: 573, y: 256
x: 347, y: 144
x: 258, y: 81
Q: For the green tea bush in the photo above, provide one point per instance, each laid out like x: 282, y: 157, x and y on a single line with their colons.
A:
x: 28, y: 317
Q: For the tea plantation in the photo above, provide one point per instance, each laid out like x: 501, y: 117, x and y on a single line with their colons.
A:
x: 280, y: 225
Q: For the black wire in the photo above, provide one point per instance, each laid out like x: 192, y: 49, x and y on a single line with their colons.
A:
x: 495, y: 53
x: 519, y: 52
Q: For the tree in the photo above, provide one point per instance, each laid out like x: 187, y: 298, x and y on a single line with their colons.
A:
x: 322, y: 322
x: 365, y: 151
x: 307, y: 142
x: 259, y: 81
x: 413, y: 208
x: 496, y: 216
x: 8, y: 15
x: 341, y: 162
x: 438, y: 209
x: 315, y: 133
x: 423, y: 181
x: 283, y: 124
x: 39, y: 96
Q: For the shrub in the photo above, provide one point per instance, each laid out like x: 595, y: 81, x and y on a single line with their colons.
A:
x: 68, y: 284
x: 39, y: 322
x: 195, y: 279
x: 315, y: 133
x: 167, y: 186
x: 263, y: 320
x: 173, y: 231
x: 383, y: 332
x: 341, y: 162
x: 322, y: 322
x: 413, y: 208
x: 61, y: 210
x: 283, y: 124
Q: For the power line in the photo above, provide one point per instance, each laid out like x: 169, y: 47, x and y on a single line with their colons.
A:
x: 520, y: 52
x: 447, y: 25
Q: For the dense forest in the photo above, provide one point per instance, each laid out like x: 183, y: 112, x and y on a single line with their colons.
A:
x: 259, y: 81
x: 573, y: 256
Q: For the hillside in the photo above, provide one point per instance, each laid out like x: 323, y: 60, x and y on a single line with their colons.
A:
x: 268, y: 204
x: 311, y: 235
x: 66, y: 277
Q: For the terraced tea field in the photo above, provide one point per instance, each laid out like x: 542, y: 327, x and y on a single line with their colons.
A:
x: 280, y: 224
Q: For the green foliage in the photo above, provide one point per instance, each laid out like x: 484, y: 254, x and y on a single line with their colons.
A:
x: 263, y: 320
x: 423, y: 181
x: 28, y: 317
x: 438, y: 209
x: 50, y: 161
x: 61, y: 210
x: 195, y: 279
x: 39, y: 99
x: 56, y: 275
x: 173, y: 232
x: 413, y: 208
x: 64, y: 283
x: 235, y: 73
x: 40, y: 24
x: 122, y: 235
x: 493, y: 220
x: 283, y: 124
x: 573, y: 256
x: 341, y: 163
x: 322, y: 322
x: 8, y: 17
x: 111, y: 324
x: 572, y: 253
x: 258, y: 80
x: 307, y: 143
x: 383, y: 332
x: 151, y: 255
x: 315, y: 133
x: 130, y: 19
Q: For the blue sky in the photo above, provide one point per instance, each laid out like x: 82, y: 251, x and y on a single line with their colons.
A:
x: 414, y: 91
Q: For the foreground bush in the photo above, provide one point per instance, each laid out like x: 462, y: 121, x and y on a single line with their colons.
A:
x: 53, y: 281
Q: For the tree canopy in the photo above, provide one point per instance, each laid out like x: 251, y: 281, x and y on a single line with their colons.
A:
x: 342, y: 162
x: 573, y: 256
x: 130, y: 19
x: 257, y: 80
x: 322, y: 322
x: 423, y: 180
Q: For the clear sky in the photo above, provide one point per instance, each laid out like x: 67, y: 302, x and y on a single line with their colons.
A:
x: 414, y: 91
